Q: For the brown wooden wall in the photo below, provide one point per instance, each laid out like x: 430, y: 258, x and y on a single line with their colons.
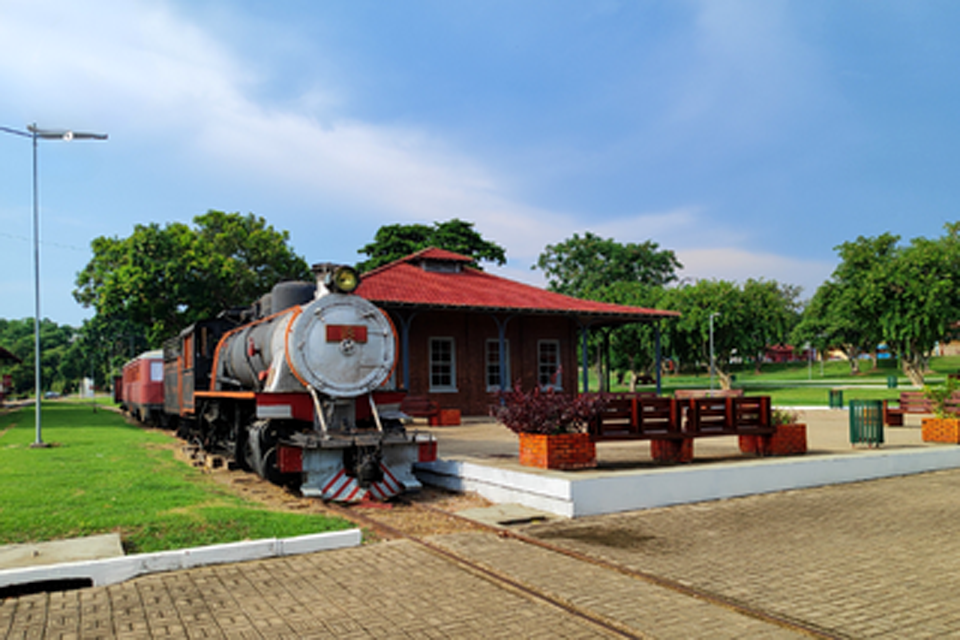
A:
x: 470, y: 332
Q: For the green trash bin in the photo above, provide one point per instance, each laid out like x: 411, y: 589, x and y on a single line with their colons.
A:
x: 836, y: 398
x: 866, y: 422
x: 891, y: 382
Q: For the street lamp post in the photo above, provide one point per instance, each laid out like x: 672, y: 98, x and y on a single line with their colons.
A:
x: 713, y: 366
x: 35, y: 133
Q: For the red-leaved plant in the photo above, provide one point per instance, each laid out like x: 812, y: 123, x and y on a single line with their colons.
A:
x: 546, y: 412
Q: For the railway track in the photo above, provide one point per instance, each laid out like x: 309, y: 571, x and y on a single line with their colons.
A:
x: 378, y: 521
x: 410, y: 519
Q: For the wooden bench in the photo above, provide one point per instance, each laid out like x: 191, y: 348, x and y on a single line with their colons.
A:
x: 419, y: 407
x: 646, y: 418
x: 685, y: 394
x: 637, y: 418
x: 730, y: 416
x: 914, y: 402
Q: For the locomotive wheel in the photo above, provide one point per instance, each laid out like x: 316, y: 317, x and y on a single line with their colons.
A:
x: 251, y: 455
x: 271, y: 471
x: 260, y: 451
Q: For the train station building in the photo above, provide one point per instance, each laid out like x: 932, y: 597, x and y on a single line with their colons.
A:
x: 457, y: 324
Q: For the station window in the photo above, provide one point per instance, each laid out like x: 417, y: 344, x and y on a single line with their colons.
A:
x: 548, y: 364
x: 493, y: 364
x: 443, y: 365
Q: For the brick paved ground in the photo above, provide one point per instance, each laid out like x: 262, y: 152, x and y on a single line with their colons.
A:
x: 387, y: 590
x: 872, y: 559
x: 636, y: 604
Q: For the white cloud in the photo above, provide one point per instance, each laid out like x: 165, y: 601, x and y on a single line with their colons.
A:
x: 146, y: 72
x: 153, y: 74
x: 729, y: 263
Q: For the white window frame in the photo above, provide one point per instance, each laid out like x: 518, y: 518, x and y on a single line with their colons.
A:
x: 487, y: 363
x: 452, y: 387
x: 540, y: 364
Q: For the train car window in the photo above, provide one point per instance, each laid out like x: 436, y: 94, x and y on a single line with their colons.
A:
x: 188, y: 351
x: 156, y: 371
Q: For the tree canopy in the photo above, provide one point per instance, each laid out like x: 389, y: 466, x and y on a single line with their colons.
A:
x: 394, y: 241
x: 845, y: 311
x: 160, y: 279
x: 61, y: 358
x: 579, y: 265
x: 907, y: 296
x: 748, y: 319
x: 632, y: 346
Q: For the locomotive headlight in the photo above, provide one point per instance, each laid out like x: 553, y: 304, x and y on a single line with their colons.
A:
x: 345, y: 279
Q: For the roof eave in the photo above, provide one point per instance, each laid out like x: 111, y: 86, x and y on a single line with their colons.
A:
x: 621, y: 317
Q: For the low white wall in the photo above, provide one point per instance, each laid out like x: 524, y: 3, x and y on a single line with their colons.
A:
x: 553, y: 495
x: 599, y: 493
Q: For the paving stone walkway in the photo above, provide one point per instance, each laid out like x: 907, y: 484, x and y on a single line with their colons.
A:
x: 877, y: 559
x: 865, y: 560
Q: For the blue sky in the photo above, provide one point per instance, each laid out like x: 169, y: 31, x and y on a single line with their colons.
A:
x: 750, y: 137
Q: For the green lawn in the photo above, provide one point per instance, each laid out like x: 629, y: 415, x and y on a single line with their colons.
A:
x: 802, y: 384
x: 104, y: 475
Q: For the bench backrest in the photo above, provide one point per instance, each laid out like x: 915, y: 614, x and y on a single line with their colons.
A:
x: 732, y: 415
x: 917, y: 402
x: 651, y: 418
x: 684, y: 394
x: 419, y: 406
x: 914, y: 402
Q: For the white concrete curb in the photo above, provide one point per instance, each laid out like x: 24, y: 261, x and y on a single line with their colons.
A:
x: 114, y: 570
x: 586, y: 493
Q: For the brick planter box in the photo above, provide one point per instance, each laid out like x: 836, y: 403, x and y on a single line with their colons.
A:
x: 445, y: 418
x: 565, y: 451
x: 941, y: 430
x: 790, y: 439
x: 672, y: 451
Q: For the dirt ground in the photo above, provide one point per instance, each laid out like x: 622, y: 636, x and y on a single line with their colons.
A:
x: 399, y: 514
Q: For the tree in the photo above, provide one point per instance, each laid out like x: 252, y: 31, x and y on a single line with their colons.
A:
x: 906, y: 296
x: 749, y: 318
x: 830, y: 320
x: 57, y: 344
x: 578, y: 265
x: 921, y: 289
x: 632, y: 346
x: 859, y: 299
x: 394, y: 241
x: 773, y: 309
x: 160, y: 279
x: 688, y: 337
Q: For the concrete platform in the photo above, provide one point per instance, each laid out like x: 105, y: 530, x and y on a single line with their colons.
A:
x: 54, y: 552
x: 481, y: 456
x: 114, y: 569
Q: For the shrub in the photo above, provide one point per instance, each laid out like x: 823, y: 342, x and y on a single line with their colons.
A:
x: 546, y: 412
x: 939, y: 395
x: 781, y: 416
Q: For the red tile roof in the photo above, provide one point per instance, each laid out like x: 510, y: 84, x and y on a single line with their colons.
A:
x: 405, y: 283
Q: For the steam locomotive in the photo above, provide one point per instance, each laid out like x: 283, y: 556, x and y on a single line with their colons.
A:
x: 292, y: 388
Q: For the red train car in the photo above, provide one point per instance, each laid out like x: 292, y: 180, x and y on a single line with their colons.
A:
x: 141, y: 388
